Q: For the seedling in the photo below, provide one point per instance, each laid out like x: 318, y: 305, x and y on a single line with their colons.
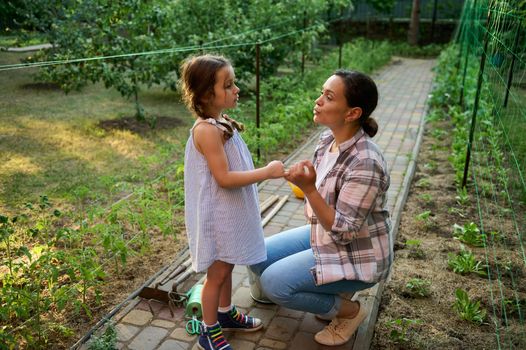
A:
x: 515, y: 307
x: 418, y: 288
x: 106, y: 341
x: 462, y: 197
x: 469, y: 234
x: 433, y: 116
x: 423, y: 183
x: 415, y: 251
x: 438, y: 133
x: 400, y: 329
x: 426, y: 217
x: 457, y: 211
x: 426, y: 198
x: 464, y: 262
x: 6, y: 230
x: 431, y: 165
x: 467, y: 309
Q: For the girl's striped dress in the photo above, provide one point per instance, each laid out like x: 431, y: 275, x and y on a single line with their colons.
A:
x: 221, y: 224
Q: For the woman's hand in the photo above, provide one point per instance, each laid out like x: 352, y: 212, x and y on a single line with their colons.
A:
x: 303, y: 175
x: 275, y: 169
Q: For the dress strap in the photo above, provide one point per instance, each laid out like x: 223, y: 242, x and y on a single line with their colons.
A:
x: 210, y: 121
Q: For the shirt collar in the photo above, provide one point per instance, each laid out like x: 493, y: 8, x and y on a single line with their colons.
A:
x: 327, y: 138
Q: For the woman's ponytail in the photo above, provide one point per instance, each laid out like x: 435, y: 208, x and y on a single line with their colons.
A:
x: 370, y: 126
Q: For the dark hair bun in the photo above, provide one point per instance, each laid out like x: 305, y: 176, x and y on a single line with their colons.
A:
x: 370, y: 126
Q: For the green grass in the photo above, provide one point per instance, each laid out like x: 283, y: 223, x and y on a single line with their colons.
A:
x: 51, y: 143
x: 20, y: 39
x: 427, y: 51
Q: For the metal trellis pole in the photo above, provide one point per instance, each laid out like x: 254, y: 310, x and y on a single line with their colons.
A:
x: 257, y: 100
x: 477, y: 97
x: 466, y: 33
x: 512, y: 65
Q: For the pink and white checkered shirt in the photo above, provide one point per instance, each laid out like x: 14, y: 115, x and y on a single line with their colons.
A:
x: 359, y: 246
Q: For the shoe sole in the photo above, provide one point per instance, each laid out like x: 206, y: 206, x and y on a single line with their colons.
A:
x: 200, y: 347
x: 262, y: 300
x: 362, y: 315
x: 246, y: 330
x: 321, y: 318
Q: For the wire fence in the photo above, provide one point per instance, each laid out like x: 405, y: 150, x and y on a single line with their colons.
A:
x: 492, y: 65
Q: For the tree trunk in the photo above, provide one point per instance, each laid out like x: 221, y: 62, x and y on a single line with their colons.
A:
x: 412, y: 35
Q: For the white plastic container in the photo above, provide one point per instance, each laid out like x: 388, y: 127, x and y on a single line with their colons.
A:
x: 255, y: 288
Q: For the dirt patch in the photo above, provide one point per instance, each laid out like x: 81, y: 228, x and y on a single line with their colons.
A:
x: 138, y: 126
x: 422, y: 248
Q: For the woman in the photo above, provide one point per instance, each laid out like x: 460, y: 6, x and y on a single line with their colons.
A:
x: 347, y: 245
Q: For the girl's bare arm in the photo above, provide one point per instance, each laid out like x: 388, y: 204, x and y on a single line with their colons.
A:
x: 208, y: 140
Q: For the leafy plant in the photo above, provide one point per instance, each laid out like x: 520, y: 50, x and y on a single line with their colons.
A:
x: 426, y: 217
x: 462, y: 196
x: 467, y: 309
x: 469, y: 234
x: 438, y: 133
x: 423, y: 183
x: 464, y: 262
x: 457, y: 211
x: 417, y: 287
x: 114, y: 243
x: 515, y: 307
x: 6, y: 231
x: 431, y: 166
x: 107, y: 341
x: 415, y: 250
x: 426, y: 198
x: 400, y: 328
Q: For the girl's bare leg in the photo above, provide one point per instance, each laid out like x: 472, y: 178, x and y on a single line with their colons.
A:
x: 225, y: 296
x: 218, y: 281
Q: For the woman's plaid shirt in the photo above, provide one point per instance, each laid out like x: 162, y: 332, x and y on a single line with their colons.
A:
x: 359, y: 245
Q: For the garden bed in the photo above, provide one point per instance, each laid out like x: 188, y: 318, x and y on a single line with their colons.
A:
x: 418, y: 310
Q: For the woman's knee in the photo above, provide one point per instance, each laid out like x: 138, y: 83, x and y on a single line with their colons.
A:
x: 275, y: 287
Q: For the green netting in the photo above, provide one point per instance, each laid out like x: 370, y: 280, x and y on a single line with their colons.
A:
x: 492, y: 64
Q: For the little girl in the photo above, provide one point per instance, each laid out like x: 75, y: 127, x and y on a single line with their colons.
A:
x: 223, y: 221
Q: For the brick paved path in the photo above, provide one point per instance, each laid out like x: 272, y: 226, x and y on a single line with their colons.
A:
x: 404, y: 87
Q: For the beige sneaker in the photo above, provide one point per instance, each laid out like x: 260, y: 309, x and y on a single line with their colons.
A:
x: 340, y: 330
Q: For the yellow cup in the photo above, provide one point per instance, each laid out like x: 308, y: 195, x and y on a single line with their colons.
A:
x: 296, y: 190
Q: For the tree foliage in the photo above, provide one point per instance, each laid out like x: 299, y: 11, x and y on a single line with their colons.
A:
x: 91, y: 29
x: 384, y: 6
x: 129, y: 30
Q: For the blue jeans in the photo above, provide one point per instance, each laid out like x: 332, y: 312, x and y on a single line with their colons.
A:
x: 286, y: 277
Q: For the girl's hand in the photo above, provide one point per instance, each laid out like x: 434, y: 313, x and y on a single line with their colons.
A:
x: 303, y: 175
x: 275, y: 169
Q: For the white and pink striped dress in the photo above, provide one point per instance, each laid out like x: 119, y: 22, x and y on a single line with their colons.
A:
x: 221, y: 224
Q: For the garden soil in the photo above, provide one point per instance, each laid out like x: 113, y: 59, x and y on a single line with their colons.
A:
x: 436, y: 323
